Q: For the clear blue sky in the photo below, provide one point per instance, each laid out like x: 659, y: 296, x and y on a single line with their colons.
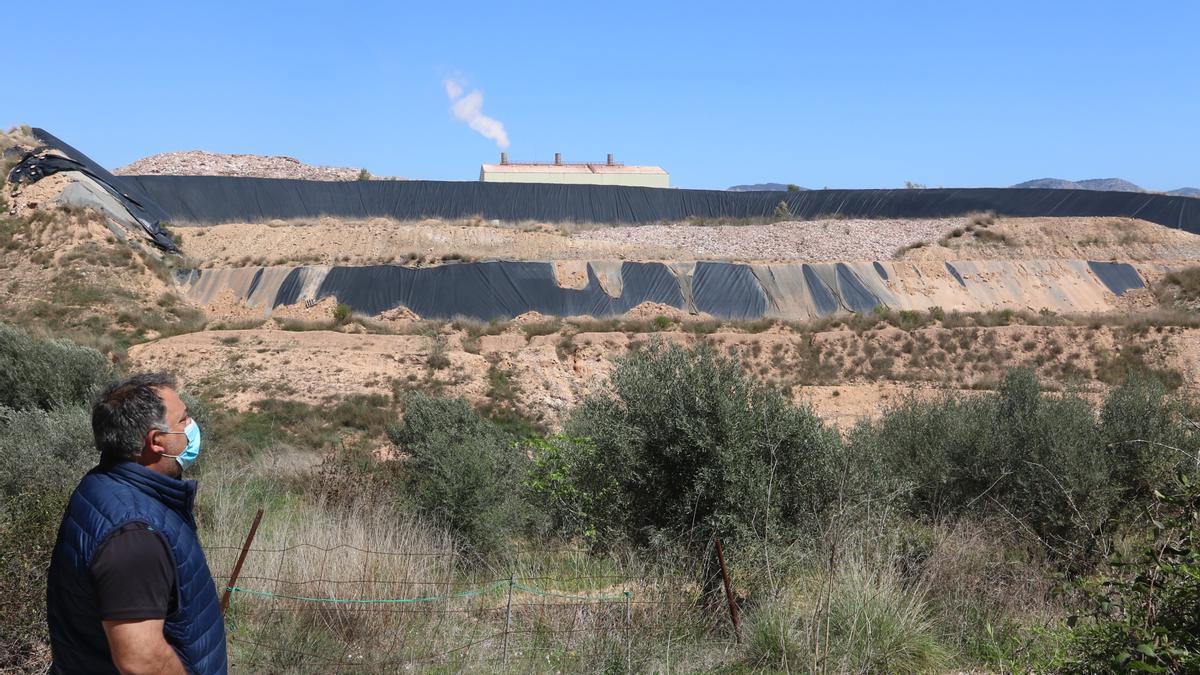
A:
x: 838, y: 94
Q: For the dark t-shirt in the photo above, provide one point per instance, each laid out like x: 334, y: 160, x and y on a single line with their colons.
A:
x: 133, y: 575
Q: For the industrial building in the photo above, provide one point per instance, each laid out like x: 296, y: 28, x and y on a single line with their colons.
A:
x: 586, y: 173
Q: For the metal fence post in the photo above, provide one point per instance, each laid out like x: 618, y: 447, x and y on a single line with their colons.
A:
x: 628, y: 633
x: 508, y: 615
x: 237, y: 568
x: 733, y: 609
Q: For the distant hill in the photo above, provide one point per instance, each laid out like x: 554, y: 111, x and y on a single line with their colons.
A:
x: 1103, y: 184
x: 1049, y: 184
x: 1106, y: 184
x: 761, y: 187
x: 1109, y: 185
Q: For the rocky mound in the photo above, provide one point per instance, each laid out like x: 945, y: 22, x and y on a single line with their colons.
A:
x: 201, y: 163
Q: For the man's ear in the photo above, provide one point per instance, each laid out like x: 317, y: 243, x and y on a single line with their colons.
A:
x: 152, y: 448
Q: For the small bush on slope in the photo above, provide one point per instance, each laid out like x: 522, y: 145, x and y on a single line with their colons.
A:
x: 39, y: 373
x: 464, y: 472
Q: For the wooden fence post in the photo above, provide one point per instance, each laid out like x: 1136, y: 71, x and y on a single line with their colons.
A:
x: 237, y: 568
x: 508, y: 615
x: 733, y: 608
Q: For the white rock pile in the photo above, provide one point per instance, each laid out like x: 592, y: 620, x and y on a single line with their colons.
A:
x: 201, y: 163
x: 789, y: 240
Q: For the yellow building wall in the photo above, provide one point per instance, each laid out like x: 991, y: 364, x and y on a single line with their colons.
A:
x: 634, y: 179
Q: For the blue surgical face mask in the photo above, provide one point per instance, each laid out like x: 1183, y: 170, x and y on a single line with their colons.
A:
x: 192, y: 451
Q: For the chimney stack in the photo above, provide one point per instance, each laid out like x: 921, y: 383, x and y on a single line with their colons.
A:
x: 504, y: 158
x: 610, y: 161
x: 558, y: 159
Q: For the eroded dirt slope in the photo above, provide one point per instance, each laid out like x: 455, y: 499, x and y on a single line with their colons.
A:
x: 845, y: 374
x: 330, y: 241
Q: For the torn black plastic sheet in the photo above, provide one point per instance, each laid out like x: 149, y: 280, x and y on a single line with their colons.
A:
x: 141, y: 210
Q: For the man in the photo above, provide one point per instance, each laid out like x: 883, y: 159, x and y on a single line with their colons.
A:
x: 129, y: 589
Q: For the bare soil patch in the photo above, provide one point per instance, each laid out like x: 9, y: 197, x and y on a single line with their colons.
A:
x: 1125, y: 239
x: 845, y: 375
x: 810, y: 240
x: 378, y: 241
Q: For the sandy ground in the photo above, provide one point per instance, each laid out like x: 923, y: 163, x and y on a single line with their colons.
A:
x: 1124, y: 239
x: 790, y: 240
x: 384, y: 241
x: 79, y: 250
x: 330, y: 241
x: 849, y: 376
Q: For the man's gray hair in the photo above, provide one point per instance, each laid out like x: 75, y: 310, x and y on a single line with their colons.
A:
x: 126, y: 410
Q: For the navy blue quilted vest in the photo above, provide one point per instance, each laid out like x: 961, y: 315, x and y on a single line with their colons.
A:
x: 109, y: 496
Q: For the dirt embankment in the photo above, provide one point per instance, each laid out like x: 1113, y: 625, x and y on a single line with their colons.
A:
x: 331, y: 241
x: 844, y: 374
x: 1125, y: 239
x: 65, y: 273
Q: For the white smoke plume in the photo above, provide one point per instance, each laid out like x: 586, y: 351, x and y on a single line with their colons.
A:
x: 469, y: 109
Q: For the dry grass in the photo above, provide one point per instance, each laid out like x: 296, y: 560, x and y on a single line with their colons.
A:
x: 364, y: 547
x: 19, y: 137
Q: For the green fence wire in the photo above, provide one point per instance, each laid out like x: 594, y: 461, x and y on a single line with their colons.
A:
x: 499, y: 585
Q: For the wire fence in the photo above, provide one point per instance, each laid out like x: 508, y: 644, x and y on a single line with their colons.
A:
x: 307, y: 608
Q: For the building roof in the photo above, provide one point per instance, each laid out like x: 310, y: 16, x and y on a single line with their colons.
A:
x: 572, y: 168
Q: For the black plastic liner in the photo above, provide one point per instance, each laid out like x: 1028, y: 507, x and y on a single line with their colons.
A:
x: 217, y: 199
x: 954, y: 273
x: 32, y: 168
x: 856, y: 297
x: 488, y: 290
x: 728, y: 291
x: 1118, y: 277
x: 506, y: 289
x: 823, y: 298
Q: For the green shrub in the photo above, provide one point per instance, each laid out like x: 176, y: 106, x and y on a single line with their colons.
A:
x: 694, y: 445
x: 341, y: 313
x: 1145, y: 431
x: 42, y: 456
x: 38, y: 373
x: 463, y: 472
x: 1042, y: 461
x: 567, y: 478
x: 45, y: 447
x: 1141, y: 614
x: 437, y: 359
